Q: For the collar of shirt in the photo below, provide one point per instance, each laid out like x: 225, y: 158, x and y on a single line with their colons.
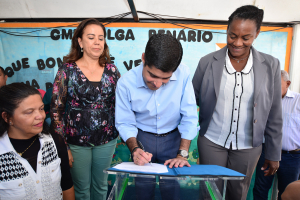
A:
x: 4, y: 139
x: 140, y: 79
x: 289, y: 94
x: 246, y: 70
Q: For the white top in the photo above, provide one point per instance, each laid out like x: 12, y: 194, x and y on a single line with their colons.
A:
x: 231, y: 121
x: 291, y: 121
x: 18, y: 181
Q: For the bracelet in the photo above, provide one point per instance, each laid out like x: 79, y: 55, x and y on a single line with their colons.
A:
x: 133, y: 150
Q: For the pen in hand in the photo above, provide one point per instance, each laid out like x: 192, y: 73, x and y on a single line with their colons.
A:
x: 142, y: 147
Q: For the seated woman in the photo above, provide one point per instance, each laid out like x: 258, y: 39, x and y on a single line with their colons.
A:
x: 33, y: 163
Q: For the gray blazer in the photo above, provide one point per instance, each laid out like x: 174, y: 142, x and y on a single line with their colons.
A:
x: 267, y: 108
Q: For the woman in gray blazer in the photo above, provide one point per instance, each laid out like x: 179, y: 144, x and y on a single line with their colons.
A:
x: 238, y: 92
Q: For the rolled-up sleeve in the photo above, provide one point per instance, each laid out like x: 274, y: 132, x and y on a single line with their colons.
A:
x: 188, y: 111
x: 125, y: 117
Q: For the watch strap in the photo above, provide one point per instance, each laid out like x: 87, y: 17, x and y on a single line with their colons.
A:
x: 133, y: 150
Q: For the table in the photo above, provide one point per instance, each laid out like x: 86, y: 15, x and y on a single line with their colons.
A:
x: 200, y: 187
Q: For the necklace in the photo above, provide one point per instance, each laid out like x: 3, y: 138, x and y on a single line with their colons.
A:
x: 27, y: 147
x: 238, y: 60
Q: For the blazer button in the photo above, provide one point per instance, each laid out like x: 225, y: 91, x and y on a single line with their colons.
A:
x: 255, y: 121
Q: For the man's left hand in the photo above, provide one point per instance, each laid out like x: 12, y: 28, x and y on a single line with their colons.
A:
x: 179, y: 161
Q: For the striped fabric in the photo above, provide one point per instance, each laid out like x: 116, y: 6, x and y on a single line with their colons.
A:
x: 231, y: 122
x: 291, y: 121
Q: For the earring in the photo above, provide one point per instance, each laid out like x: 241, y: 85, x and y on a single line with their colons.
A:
x: 81, y: 49
x: 10, y: 123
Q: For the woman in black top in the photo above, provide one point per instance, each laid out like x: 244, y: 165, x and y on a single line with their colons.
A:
x: 33, y: 163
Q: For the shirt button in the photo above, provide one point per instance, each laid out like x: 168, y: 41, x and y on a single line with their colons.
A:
x: 235, y: 109
x: 255, y: 120
x: 158, y: 117
x: 233, y: 120
x: 40, y: 162
x: 237, y: 96
x: 37, y: 181
x: 52, y: 170
x: 158, y: 104
x: 20, y: 184
x: 232, y: 132
x: 158, y: 129
x: 40, y: 199
x: 238, y: 84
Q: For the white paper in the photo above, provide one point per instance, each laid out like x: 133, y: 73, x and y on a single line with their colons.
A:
x: 130, y: 166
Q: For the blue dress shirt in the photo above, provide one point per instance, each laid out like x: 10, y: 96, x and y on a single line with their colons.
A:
x: 172, y: 105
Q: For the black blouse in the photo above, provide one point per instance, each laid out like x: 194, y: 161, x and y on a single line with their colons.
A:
x: 82, y: 113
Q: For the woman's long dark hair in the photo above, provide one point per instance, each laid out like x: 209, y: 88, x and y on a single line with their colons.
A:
x: 10, y: 97
x: 75, y: 51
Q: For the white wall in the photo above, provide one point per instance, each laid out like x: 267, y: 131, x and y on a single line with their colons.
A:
x: 275, y: 10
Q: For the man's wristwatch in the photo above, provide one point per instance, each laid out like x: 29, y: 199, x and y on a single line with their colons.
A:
x: 183, y: 153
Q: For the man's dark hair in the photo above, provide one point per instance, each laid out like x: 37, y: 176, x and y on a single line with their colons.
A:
x: 248, y: 12
x: 163, y: 52
x: 1, y: 68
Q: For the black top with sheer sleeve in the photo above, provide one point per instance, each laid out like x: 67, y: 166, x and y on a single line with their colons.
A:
x: 83, y: 112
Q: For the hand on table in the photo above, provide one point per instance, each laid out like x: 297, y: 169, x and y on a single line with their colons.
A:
x: 273, y: 167
x: 141, y: 157
x: 179, y: 161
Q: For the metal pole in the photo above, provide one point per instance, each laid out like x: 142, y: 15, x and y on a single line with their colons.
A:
x: 133, y: 10
x: 294, y: 69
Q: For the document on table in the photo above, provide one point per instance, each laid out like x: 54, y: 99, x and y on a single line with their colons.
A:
x: 130, y: 166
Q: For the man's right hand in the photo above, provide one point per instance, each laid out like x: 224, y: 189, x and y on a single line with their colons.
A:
x: 141, y: 157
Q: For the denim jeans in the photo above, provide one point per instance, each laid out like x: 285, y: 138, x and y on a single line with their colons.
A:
x: 162, y: 149
x: 289, y: 170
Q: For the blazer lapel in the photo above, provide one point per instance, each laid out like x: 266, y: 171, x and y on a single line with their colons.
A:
x: 259, y: 70
x: 217, y: 68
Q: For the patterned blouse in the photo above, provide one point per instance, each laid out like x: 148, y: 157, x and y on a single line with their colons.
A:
x: 84, y: 115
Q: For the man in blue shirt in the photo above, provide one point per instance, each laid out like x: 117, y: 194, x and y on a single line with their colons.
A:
x: 155, y: 104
